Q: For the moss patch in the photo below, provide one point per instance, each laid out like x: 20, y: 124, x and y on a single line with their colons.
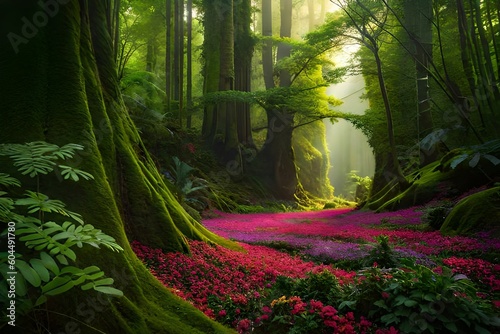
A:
x: 474, y: 213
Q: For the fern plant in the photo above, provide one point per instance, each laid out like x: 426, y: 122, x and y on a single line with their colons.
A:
x: 184, y: 184
x: 46, y: 270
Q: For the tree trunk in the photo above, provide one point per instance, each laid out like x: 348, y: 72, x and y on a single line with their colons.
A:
x: 151, y: 55
x: 189, y: 60
x: 418, y: 15
x: 224, y: 126
x: 243, y: 51
x: 267, y: 46
x: 59, y: 84
x: 277, y: 153
x: 168, y: 55
x: 178, y: 85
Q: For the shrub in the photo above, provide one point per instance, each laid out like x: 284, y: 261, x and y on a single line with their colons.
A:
x: 382, y: 254
x: 435, y: 216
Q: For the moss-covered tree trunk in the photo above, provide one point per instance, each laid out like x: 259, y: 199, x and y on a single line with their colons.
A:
x: 59, y: 84
x: 243, y: 51
x: 227, y: 51
x: 277, y: 153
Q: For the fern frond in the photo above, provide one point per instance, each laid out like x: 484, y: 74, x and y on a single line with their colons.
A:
x: 40, y: 202
x: 74, y: 174
x: 7, y: 180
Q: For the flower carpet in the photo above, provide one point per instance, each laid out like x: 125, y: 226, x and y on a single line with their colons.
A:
x: 266, y: 290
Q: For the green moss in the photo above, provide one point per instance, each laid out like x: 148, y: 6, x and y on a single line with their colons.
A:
x: 434, y: 179
x: 422, y: 190
x: 312, y: 159
x: 477, y: 212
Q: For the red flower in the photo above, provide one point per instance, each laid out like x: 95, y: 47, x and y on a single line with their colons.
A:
x: 385, y: 295
x: 243, y: 326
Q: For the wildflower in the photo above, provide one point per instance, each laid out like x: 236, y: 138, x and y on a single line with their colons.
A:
x: 315, y: 305
x: 243, y: 326
x: 266, y: 309
x: 328, y: 312
x: 385, y: 295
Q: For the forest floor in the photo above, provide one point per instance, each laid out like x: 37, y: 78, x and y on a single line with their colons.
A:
x: 342, y: 269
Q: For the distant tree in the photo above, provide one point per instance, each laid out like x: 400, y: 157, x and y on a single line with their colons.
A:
x: 365, y: 23
x: 227, y: 50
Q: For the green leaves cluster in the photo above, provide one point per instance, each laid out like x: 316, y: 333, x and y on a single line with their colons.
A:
x: 487, y: 151
x: 42, y: 263
x: 423, y: 301
x: 184, y: 182
x: 39, y: 157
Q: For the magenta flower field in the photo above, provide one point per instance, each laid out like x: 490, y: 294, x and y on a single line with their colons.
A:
x: 329, y: 280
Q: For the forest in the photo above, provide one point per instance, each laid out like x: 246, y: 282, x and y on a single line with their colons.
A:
x: 240, y: 166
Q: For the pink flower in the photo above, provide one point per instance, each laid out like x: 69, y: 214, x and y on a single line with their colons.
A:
x: 243, y: 326
x: 328, y: 311
x: 385, y: 295
x: 222, y: 313
x: 267, y: 309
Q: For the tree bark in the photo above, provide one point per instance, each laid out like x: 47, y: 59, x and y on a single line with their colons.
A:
x: 243, y: 51
x: 168, y: 55
x: 418, y: 16
x: 277, y: 153
x: 60, y: 85
x: 267, y: 47
x: 189, y: 60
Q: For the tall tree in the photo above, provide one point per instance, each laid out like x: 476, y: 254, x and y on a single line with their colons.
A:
x: 227, y: 50
x: 365, y: 24
x: 60, y: 85
x: 189, y: 62
x: 418, y: 16
x: 243, y: 51
x: 178, y: 84
x: 277, y: 153
x: 267, y: 47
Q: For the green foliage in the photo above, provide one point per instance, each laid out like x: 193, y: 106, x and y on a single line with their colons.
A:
x: 323, y: 286
x: 382, y: 254
x: 414, y: 299
x: 184, y: 182
x: 44, y: 267
x: 420, y: 300
x: 363, y: 186
x: 436, y: 215
x: 40, y: 158
x: 473, y: 154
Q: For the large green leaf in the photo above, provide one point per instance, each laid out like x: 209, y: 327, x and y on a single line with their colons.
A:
x: 49, y: 263
x: 109, y: 290
x: 455, y: 162
x: 28, y: 273
x: 39, y: 267
x: 58, y: 285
